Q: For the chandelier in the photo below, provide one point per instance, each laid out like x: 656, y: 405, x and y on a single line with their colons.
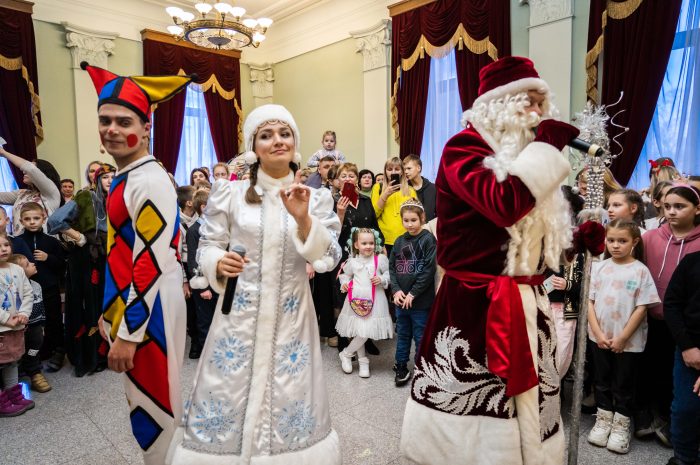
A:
x: 219, y: 26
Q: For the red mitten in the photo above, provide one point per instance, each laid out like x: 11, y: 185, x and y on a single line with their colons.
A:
x: 590, y: 236
x: 556, y: 133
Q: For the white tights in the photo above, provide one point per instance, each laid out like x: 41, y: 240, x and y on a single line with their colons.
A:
x: 356, y: 345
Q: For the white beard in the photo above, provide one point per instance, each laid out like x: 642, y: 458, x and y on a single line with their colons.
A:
x: 507, y: 129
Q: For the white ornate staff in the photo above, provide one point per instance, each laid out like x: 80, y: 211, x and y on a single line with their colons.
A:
x: 592, y: 122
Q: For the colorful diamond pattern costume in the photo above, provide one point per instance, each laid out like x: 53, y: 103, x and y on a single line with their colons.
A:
x: 143, y: 291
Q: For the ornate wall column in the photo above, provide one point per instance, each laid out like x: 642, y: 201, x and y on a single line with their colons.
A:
x: 375, y: 45
x: 551, y: 33
x: 93, y: 47
x: 261, y: 77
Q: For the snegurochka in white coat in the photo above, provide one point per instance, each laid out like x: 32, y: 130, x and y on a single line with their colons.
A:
x: 260, y: 394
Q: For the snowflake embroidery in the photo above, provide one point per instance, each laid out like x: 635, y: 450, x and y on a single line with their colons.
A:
x: 230, y: 355
x: 293, y: 357
x: 213, y: 420
x: 296, y: 424
x: 241, y: 300
x: 291, y: 304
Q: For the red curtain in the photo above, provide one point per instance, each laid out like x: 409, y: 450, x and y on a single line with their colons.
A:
x: 480, y: 32
x: 20, y: 120
x: 220, y: 76
x: 635, y: 45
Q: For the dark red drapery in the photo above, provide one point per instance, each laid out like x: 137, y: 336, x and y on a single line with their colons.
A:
x: 20, y: 120
x: 220, y: 76
x: 635, y: 45
x: 479, y: 30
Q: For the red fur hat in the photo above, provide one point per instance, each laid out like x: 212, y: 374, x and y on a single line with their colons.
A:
x: 508, y: 76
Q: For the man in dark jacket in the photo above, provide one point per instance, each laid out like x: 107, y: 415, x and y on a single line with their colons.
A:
x: 682, y: 315
x: 425, y: 189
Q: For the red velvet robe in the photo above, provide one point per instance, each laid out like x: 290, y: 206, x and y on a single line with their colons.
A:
x: 458, y: 411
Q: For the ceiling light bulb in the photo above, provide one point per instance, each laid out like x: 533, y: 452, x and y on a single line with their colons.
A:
x: 203, y: 8
x: 230, y: 32
x: 250, y: 22
x: 265, y: 22
x: 186, y: 16
x: 175, y: 30
x: 173, y: 11
x: 223, y: 8
x: 237, y: 11
x: 257, y: 37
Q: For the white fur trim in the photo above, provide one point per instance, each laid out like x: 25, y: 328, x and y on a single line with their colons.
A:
x: 430, y: 436
x: 250, y: 157
x: 541, y: 167
x: 199, y: 282
x: 325, y: 452
x: 264, y: 113
x: 207, y: 265
x: 512, y: 88
x: 316, y: 244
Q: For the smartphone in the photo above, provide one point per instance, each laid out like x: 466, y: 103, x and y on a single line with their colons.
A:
x: 350, y: 192
x: 395, y: 178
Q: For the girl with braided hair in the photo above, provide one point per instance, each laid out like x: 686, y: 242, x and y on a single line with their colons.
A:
x: 365, y: 313
x: 260, y: 394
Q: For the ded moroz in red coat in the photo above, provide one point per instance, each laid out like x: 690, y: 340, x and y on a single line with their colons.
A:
x: 459, y: 411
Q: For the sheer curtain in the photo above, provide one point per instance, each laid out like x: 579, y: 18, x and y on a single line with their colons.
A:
x: 7, y: 183
x: 196, y: 147
x: 443, y: 113
x: 674, y: 129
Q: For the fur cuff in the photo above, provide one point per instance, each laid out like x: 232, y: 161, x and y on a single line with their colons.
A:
x: 316, y: 244
x: 541, y: 167
x: 208, y: 259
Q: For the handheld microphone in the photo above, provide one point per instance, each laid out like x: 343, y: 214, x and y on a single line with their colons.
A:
x: 231, y: 283
x: 586, y: 147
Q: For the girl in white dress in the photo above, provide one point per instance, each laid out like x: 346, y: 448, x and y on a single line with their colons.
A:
x: 365, y: 313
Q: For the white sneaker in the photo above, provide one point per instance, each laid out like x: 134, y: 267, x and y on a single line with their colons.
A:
x: 619, y: 440
x: 345, y: 362
x: 601, y: 430
x: 364, y: 367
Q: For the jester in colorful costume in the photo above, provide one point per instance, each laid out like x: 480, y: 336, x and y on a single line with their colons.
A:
x: 144, y: 307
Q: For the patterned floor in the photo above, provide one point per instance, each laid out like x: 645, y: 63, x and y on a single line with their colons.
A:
x: 85, y: 421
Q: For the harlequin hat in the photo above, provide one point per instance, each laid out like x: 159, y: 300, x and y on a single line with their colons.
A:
x: 262, y: 115
x: 104, y: 169
x: 136, y: 93
x: 508, y: 76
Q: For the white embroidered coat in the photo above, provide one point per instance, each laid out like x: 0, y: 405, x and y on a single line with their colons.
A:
x: 260, y: 395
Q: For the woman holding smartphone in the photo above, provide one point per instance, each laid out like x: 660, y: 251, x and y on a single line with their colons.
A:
x: 387, y: 199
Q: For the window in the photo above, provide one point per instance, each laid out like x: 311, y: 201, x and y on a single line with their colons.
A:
x: 196, y: 146
x: 674, y: 128
x: 7, y: 183
x: 443, y: 113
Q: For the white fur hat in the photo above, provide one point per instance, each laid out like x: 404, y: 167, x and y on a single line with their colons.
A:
x: 260, y: 116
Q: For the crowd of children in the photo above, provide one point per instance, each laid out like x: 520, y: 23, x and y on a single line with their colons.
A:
x: 642, y: 302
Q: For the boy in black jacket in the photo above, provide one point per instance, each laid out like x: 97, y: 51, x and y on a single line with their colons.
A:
x: 204, y: 299
x: 682, y: 315
x: 412, y: 272
x: 49, y: 258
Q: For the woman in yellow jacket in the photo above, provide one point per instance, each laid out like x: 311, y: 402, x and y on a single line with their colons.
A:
x: 387, y: 198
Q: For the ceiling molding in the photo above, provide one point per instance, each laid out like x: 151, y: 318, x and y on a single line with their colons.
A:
x: 300, y: 25
x: 407, y: 5
x: 328, y: 22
